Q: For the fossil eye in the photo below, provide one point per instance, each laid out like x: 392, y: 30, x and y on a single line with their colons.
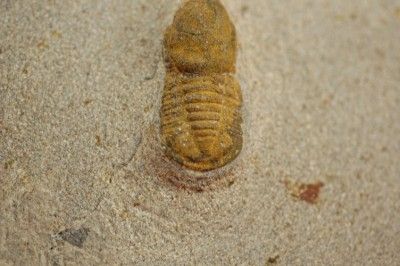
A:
x: 200, y: 114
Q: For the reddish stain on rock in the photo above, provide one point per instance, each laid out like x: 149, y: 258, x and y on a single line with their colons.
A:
x: 306, y: 192
x: 310, y: 192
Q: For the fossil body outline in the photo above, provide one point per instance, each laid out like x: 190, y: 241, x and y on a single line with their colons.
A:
x: 200, y: 113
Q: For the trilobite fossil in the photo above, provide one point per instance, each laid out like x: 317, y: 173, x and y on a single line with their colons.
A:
x: 200, y: 113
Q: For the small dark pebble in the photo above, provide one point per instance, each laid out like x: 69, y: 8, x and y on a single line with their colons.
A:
x: 75, y: 237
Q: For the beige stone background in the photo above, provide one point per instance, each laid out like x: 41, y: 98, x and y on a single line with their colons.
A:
x: 80, y: 91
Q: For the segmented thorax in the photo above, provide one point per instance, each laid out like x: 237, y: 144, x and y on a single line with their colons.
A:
x: 200, y: 115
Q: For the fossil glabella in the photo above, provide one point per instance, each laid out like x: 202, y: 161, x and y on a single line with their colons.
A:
x: 200, y: 113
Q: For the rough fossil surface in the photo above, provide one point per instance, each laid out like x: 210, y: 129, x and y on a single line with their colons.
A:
x: 82, y: 177
x: 200, y: 114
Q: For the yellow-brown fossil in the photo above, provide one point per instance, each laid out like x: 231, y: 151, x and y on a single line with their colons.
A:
x: 200, y: 114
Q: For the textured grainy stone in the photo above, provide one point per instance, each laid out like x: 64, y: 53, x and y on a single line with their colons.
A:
x: 80, y: 93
